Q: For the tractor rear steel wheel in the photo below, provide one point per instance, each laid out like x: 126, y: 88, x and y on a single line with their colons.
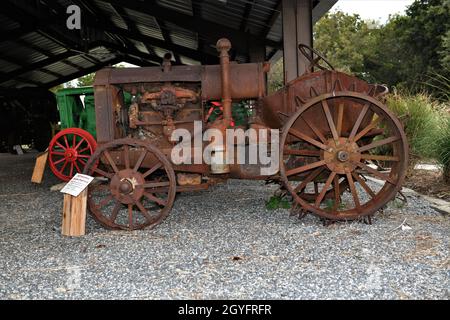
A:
x: 331, y: 148
x: 125, y: 195
x: 69, y: 151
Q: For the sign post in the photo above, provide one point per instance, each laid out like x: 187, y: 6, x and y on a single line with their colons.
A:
x: 74, y: 208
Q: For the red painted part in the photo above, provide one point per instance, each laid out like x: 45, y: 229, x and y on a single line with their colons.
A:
x: 69, y: 151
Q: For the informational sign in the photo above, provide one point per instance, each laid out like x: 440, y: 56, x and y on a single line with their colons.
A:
x: 77, y: 184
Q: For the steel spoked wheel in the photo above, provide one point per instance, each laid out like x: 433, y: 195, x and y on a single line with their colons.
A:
x: 332, y: 151
x: 69, y: 151
x: 135, y: 187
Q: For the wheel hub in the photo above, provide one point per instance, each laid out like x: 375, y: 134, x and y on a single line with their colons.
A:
x: 71, y: 154
x: 340, y: 156
x: 124, y: 186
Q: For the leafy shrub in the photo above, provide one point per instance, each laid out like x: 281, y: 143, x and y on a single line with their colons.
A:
x: 422, y: 119
x: 443, y: 149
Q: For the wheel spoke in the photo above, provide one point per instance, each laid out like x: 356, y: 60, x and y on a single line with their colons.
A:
x: 111, y: 161
x: 71, y: 169
x: 156, y: 184
x: 59, y: 161
x: 360, y: 118
x: 79, y: 143
x: 304, y: 137
x: 84, y: 156
x: 308, y: 179
x: 330, y: 120
x: 368, y: 156
x: 63, y: 167
x: 66, y: 142
x: 363, y: 184
x: 139, y: 161
x: 143, y: 210
x: 315, y: 130
x: 57, y: 153
x: 337, y: 193
x: 366, y: 130
x: 155, y: 199
x: 375, y: 172
x: 115, y: 212
x: 130, y: 216
x: 378, y: 143
x: 60, y: 145
x: 353, y: 191
x: 103, y: 173
x: 305, y: 168
x: 85, y: 149
x: 340, y: 119
x: 324, y: 189
x: 77, y: 167
x: 126, y: 156
x: 152, y: 169
x: 74, y: 141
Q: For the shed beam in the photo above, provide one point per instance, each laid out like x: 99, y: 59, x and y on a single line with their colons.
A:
x: 208, y: 28
x: 297, y: 28
x: 37, y: 65
x: 83, y: 72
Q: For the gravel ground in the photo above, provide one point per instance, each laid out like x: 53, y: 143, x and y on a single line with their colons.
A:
x: 220, y: 243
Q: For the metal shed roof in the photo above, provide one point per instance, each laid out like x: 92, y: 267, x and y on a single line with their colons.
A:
x: 37, y: 49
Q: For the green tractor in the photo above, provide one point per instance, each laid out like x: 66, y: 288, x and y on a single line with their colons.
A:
x: 71, y: 147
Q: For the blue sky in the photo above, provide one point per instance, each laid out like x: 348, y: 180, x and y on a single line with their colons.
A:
x: 373, y: 9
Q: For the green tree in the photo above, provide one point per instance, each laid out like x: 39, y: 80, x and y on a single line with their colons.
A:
x: 86, y: 81
x: 345, y: 41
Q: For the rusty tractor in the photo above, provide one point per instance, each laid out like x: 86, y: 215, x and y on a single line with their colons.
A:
x: 342, y: 153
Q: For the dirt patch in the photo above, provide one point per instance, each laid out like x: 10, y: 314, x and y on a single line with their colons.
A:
x: 429, y: 183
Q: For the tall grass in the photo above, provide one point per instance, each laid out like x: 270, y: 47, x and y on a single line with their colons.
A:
x: 427, y: 126
x: 443, y: 149
x: 422, y: 120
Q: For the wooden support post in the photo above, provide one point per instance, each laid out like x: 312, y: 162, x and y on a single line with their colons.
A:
x: 74, y: 214
x: 297, y: 28
x: 39, y: 167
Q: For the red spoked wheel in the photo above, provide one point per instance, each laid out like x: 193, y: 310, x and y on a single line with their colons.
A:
x: 69, y: 151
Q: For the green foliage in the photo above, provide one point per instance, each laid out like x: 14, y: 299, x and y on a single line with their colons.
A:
x: 345, y: 40
x: 422, y: 121
x: 86, y: 81
x: 443, y: 148
x: 275, y: 77
x: 276, y: 202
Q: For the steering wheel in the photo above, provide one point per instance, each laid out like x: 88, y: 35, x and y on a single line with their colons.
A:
x: 309, y: 53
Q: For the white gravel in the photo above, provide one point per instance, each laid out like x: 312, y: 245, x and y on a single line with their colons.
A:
x: 220, y: 243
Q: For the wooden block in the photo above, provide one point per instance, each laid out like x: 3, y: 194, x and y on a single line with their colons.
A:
x: 39, y: 167
x: 74, y: 214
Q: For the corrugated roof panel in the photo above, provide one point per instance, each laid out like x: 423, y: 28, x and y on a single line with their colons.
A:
x: 146, y: 24
x: 228, y: 14
x: 11, y: 83
x: 6, y: 66
x: 188, y: 61
x: 20, y: 53
x: 111, y: 13
x: 39, y: 76
x: 61, y: 68
x: 276, y: 32
x: 183, y: 6
x: 181, y: 36
x: 140, y: 46
x: 80, y: 61
x: 43, y: 42
x: 161, y: 52
x: 8, y: 24
x: 102, y: 54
